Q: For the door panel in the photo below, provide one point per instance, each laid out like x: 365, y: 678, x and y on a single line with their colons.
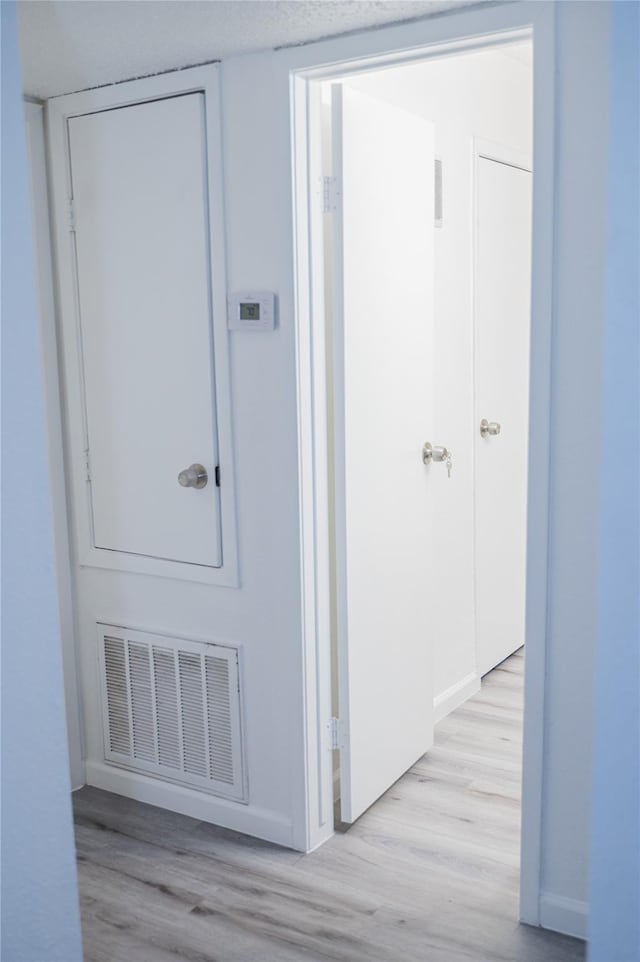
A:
x: 141, y: 233
x: 502, y: 389
x: 383, y: 160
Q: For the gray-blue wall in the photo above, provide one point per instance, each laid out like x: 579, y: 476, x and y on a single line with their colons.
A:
x: 39, y: 893
x: 614, y: 924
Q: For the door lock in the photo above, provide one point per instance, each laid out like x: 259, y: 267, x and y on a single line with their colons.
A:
x: 437, y: 452
x: 489, y: 428
x: 194, y: 476
x: 433, y: 452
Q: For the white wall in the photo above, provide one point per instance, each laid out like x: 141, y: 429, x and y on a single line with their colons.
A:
x: 488, y: 95
x: 39, y: 894
x: 260, y: 616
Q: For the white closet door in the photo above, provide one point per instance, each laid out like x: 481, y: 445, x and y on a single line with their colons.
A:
x: 383, y: 161
x: 502, y: 395
x: 138, y: 177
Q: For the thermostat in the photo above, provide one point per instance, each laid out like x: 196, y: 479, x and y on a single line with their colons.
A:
x: 252, y: 311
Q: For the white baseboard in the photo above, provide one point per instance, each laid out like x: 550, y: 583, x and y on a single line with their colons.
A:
x: 560, y: 914
x: 455, y: 696
x: 206, y: 808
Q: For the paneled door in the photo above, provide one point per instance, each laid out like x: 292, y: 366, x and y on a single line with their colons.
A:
x: 503, y: 295
x: 141, y: 227
x: 383, y: 321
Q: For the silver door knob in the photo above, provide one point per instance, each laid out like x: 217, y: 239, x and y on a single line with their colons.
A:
x: 433, y: 452
x: 489, y: 428
x: 194, y: 476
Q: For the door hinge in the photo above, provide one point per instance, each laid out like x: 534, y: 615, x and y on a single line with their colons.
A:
x: 87, y: 465
x: 72, y: 216
x: 217, y: 475
x: 330, y: 195
x: 335, y: 734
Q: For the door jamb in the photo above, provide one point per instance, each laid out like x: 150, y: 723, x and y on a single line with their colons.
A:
x: 507, y: 25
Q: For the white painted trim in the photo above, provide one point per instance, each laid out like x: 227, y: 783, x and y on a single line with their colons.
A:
x: 332, y: 58
x: 34, y: 114
x: 560, y: 914
x: 196, y: 804
x: 455, y: 695
x: 59, y: 111
x: 502, y: 154
x: 540, y: 413
x: 402, y: 44
x: 317, y: 815
x: 92, y: 557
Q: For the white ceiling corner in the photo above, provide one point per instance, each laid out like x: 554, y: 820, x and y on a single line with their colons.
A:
x: 69, y: 45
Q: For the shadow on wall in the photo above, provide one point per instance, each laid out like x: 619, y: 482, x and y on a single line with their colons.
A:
x: 39, y: 891
x: 614, y: 923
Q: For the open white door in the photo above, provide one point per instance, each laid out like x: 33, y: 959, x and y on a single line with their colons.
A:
x: 383, y: 320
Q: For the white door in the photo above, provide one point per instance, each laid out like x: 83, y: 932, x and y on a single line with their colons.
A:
x: 139, y: 185
x: 503, y: 295
x: 383, y: 162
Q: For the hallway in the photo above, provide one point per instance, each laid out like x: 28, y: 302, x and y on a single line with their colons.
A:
x: 429, y: 873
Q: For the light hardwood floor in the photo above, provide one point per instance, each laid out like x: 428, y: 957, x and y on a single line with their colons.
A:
x: 429, y: 873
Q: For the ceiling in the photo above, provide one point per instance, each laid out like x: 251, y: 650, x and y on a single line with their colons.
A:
x: 69, y: 45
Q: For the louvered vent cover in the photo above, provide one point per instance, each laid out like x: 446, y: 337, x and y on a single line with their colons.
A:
x: 172, y: 709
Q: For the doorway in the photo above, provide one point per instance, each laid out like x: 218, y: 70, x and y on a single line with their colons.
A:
x: 403, y: 562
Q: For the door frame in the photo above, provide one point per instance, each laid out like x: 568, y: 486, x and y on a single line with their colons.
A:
x: 437, y: 37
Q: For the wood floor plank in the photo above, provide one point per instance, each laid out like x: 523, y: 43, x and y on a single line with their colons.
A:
x: 429, y: 873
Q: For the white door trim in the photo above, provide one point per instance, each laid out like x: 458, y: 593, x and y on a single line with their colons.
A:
x: 502, y: 154
x: 336, y: 58
x: 59, y: 111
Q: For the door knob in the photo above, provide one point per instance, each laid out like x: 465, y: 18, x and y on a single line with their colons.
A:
x: 489, y: 428
x: 433, y: 452
x: 194, y: 476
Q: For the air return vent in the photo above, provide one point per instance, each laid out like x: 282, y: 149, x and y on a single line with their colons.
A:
x: 171, y: 709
